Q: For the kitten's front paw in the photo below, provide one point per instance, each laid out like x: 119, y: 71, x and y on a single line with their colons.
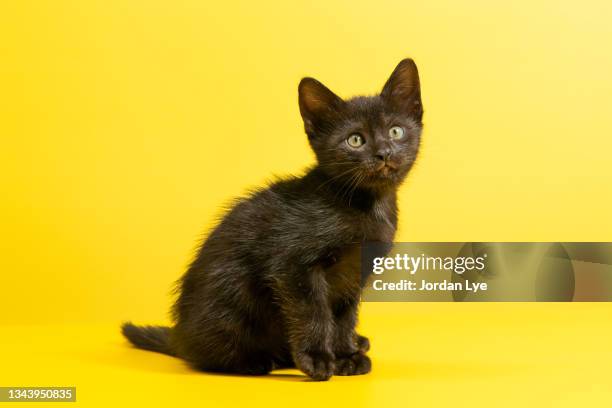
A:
x: 355, y: 364
x: 363, y: 343
x: 317, y: 365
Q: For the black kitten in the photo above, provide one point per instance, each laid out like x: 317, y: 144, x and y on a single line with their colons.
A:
x: 277, y: 283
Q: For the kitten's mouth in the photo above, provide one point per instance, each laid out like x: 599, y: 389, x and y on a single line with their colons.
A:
x: 386, y: 168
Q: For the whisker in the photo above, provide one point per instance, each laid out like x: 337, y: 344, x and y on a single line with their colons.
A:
x: 336, y: 177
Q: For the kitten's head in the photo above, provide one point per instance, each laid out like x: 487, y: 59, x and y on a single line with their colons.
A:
x: 365, y: 141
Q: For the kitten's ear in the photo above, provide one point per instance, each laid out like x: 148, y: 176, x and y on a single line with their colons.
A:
x: 317, y: 104
x: 403, y: 89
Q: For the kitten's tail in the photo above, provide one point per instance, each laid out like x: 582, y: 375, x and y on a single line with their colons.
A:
x: 153, y: 338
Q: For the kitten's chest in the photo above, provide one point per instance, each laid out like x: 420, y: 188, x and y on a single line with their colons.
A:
x: 343, y: 265
x: 379, y: 222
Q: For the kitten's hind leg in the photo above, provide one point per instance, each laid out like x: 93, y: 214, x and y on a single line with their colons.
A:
x: 208, y: 346
x: 255, y: 364
x: 280, y: 363
x: 251, y: 364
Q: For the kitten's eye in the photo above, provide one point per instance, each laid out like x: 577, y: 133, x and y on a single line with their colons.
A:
x: 355, y: 140
x: 396, y: 132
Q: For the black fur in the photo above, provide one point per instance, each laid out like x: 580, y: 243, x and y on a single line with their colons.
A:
x: 277, y: 283
x: 154, y: 338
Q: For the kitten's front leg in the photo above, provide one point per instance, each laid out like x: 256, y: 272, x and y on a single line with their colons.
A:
x: 309, y: 322
x: 350, y: 347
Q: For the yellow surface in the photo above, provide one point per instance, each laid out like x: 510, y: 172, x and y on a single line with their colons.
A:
x: 439, y: 354
x: 125, y: 124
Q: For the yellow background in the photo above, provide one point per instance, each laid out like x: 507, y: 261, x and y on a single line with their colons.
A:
x: 126, y: 124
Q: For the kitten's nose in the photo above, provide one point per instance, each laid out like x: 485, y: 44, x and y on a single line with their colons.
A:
x: 383, y: 154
